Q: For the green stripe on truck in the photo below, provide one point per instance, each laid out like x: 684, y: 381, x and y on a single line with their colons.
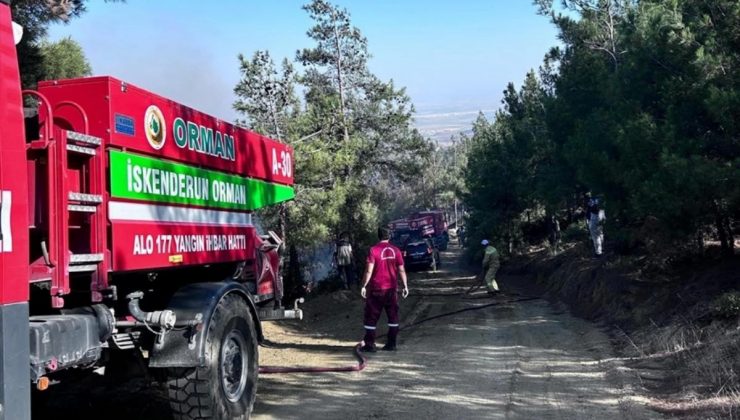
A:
x: 137, y: 177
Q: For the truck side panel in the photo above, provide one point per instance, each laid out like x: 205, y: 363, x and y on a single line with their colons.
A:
x: 181, y: 184
x: 130, y: 118
x: 147, y: 245
x: 14, y: 345
x: 13, y: 174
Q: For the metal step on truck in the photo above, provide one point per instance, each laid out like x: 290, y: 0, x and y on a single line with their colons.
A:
x: 126, y: 233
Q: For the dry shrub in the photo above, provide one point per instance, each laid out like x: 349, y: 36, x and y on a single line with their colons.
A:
x: 727, y: 306
x: 704, y: 362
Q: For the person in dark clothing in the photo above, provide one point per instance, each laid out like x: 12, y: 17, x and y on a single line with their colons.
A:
x: 343, y: 258
x: 380, y: 289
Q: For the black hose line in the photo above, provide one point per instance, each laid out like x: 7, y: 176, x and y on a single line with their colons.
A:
x: 362, y: 360
x: 472, y: 308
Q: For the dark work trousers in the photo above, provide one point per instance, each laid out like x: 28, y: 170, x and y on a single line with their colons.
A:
x: 347, y: 275
x: 376, y: 301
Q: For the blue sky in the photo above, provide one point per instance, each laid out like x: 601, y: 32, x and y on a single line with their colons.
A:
x: 453, y: 56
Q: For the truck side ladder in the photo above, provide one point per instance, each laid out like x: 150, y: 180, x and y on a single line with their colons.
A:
x: 68, y: 212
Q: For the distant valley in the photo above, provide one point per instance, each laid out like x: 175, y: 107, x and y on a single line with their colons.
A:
x: 442, y: 123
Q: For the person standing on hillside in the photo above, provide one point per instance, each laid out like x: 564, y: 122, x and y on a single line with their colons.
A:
x: 380, y: 289
x: 554, y: 234
x: 343, y: 258
x: 491, y: 265
x: 596, y: 219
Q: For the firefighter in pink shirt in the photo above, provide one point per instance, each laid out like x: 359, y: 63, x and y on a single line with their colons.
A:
x: 380, y: 289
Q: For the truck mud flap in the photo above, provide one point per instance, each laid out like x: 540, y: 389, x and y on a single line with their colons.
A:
x: 186, y: 347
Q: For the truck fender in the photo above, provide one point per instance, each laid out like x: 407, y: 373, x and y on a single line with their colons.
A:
x: 185, y: 347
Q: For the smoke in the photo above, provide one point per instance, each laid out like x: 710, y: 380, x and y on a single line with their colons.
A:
x: 317, y: 263
x: 188, y: 75
x: 163, y: 52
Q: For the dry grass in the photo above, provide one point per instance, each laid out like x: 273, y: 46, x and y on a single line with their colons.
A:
x: 726, y: 407
x: 698, y: 368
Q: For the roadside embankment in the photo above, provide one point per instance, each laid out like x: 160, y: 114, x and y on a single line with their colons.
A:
x: 678, y: 326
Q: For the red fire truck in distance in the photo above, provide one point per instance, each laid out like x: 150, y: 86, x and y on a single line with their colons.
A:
x: 435, y: 222
x: 426, y: 224
x: 126, y: 232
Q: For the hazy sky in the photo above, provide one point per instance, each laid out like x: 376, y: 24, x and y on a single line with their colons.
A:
x: 452, y: 55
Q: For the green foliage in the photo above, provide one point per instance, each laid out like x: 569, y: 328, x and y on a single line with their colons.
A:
x: 64, y: 59
x: 727, y: 305
x: 35, y: 16
x: 576, y: 232
x: 266, y: 95
x: 639, y: 106
x: 356, y: 151
x: 337, y: 64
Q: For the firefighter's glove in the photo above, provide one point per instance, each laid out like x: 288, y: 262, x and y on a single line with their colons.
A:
x: 363, y: 292
x: 405, y: 292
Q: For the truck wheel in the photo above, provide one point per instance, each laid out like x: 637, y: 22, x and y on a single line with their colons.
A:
x: 226, y: 387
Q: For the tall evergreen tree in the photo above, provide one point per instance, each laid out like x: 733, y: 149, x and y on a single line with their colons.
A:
x: 338, y: 62
x: 639, y: 106
x: 63, y: 59
x: 266, y: 95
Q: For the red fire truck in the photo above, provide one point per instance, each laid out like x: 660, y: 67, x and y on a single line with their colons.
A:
x: 435, y: 223
x: 427, y: 224
x: 126, y: 231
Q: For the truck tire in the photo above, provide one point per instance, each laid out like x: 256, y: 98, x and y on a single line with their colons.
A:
x: 226, y: 387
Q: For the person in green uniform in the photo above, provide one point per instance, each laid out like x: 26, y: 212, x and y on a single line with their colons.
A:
x: 490, y: 266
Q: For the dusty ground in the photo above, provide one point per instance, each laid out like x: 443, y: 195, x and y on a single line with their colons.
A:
x: 526, y: 359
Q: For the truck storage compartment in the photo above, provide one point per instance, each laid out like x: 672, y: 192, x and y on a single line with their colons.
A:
x: 63, y: 341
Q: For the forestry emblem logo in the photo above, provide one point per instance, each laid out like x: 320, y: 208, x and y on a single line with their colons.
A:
x: 154, y: 127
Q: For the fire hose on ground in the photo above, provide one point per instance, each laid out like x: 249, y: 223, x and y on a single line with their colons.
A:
x: 362, y: 360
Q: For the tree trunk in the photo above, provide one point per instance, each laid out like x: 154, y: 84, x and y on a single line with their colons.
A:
x: 727, y: 227
x: 273, y: 114
x: 725, y: 235
x: 283, y: 221
x: 721, y: 233
x: 340, y: 81
x: 293, y: 280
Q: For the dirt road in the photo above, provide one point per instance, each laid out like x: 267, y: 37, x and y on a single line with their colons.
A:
x: 524, y: 359
x: 515, y: 359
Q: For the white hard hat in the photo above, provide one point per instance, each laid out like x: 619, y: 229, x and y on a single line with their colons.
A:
x: 484, y: 242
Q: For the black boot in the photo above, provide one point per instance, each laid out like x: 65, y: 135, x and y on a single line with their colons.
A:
x: 369, y: 342
x: 390, y: 345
